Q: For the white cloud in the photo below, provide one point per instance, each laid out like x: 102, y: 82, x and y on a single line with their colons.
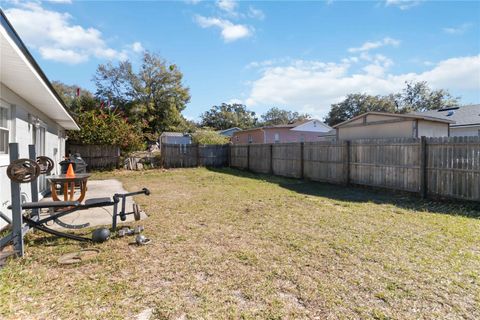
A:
x: 60, y: 1
x: 137, y: 47
x: 228, y: 6
x: 255, y: 13
x: 403, y: 4
x: 370, y: 45
x: 229, y: 31
x: 56, y: 38
x: 312, y: 86
x: 461, y: 29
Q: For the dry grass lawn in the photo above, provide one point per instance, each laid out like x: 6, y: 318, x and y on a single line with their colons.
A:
x: 230, y: 245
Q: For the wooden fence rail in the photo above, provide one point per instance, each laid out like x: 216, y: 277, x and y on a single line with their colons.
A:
x: 192, y: 155
x: 97, y: 156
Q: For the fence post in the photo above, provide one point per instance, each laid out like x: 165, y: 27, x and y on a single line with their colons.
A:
x: 248, y: 157
x: 346, y: 163
x: 302, y: 166
x: 271, y: 159
x: 423, y: 167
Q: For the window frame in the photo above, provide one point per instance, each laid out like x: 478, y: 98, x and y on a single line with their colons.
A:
x: 276, y: 137
x: 8, y: 129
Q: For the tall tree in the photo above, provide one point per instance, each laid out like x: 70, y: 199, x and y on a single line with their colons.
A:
x: 154, y: 94
x: 358, y: 103
x: 227, y: 116
x: 416, y: 96
x: 276, y: 116
x: 85, y: 101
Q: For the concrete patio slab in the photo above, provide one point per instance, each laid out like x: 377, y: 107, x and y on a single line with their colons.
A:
x: 98, y: 216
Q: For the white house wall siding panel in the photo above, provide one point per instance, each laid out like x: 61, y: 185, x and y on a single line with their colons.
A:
x: 313, y: 126
x: 21, y: 131
x: 432, y: 129
x: 470, y: 131
x: 36, y: 115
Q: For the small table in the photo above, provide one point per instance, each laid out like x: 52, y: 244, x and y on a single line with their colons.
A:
x: 69, y: 186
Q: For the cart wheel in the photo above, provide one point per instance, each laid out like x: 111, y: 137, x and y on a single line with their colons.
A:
x: 136, y: 212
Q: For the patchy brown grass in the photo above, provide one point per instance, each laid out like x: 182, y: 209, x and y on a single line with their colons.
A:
x: 231, y: 245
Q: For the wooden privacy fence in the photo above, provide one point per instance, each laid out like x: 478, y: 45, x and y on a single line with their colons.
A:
x: 439, y: 167
x: 97, y: 156
x: 193, y: 155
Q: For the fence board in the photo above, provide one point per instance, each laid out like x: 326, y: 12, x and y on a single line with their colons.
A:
x: 260, y: 158
x: 393, y: 163
x: 286, y: 159
x: 453, y: 168
x: 213, y: 155
x: 239, y: 156
x: 324, y: 161
x: 97, y: 156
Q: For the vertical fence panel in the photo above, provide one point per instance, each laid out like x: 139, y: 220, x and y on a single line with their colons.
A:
x: 286, y: 159
x: 393, y: 163
x: 239, y: 156
x: 453, y: 168
x: 324, y: 161
x: 213, y: 155
x: 260, y: 158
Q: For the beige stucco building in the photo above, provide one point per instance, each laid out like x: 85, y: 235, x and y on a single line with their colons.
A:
x: 380, y: 125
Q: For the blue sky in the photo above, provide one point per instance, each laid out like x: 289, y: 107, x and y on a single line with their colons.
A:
x: 301, y: 56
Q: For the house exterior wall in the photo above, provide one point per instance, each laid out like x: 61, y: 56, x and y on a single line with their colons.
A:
x: 465, y: 131
x: 21, y: 131
x: 402, y: 129
x: 313, y: 126
x: 288, y: 135
x: 432, y: 129
x: 241, y: 137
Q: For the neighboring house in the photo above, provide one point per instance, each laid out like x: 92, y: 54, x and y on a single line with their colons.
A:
x: 302, y: 131
x: 467, y: 119
x: 175, y: 138
x: 31, y: 112
x: 379, y: 125
x: 229, y: 132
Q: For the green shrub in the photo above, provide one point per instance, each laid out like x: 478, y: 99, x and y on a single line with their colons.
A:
x: 209, y: 137
x: 107, y: 127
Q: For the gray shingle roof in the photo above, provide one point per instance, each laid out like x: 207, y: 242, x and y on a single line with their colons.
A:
x: 463, y: 116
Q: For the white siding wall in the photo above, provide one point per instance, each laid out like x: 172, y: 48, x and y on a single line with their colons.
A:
x: 312, y: 126
x: 21, y: 132
x: 462, y: 132
x: 432, y: 129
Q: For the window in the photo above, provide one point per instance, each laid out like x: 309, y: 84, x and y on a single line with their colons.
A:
x: 277, y: 138
x: 4, y: 129
x: 237, y: 138
x: 315, y: 123
x: 250, y: 140
x: 302, y: 138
